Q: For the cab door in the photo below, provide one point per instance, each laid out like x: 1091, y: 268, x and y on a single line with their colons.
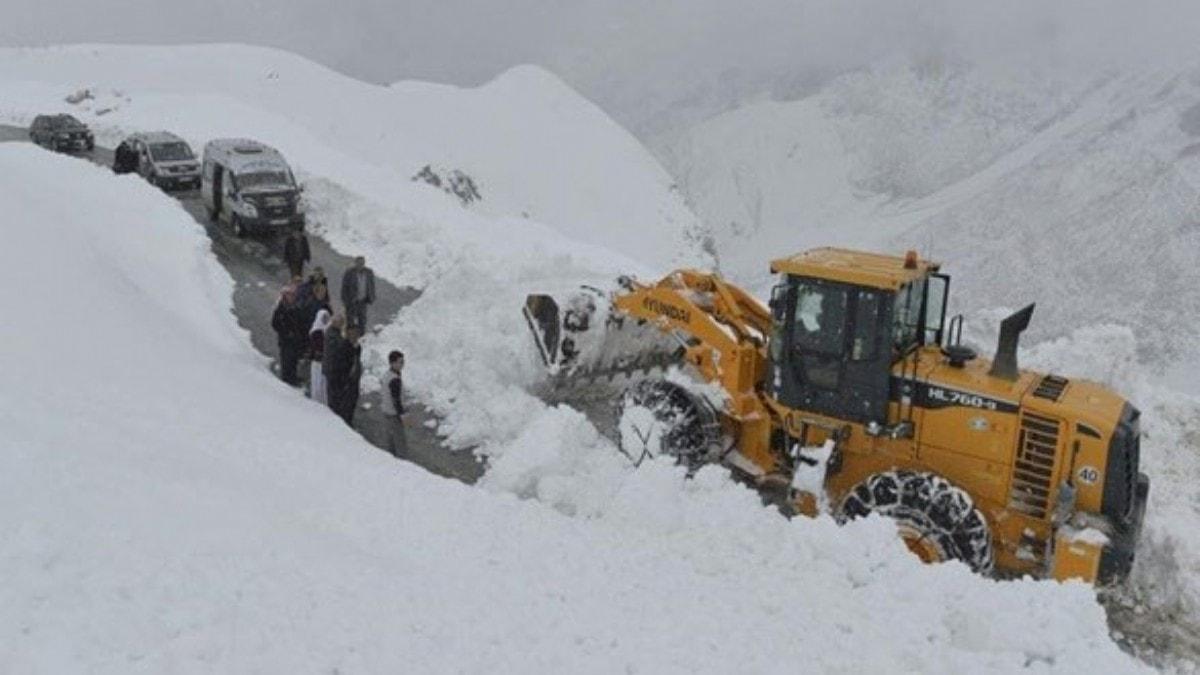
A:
x: 834, y: 360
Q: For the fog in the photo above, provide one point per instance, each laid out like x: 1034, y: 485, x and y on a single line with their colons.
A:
x: 649, y: 63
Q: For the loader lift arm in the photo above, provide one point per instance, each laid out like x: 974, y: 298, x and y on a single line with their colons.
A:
x: 724, y: 327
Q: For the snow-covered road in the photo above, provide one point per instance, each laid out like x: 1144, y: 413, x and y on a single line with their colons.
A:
x: 258, y: 270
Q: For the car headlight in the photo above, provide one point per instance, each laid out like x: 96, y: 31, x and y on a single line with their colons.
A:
x: 249, y: 209
x: 301, y: 205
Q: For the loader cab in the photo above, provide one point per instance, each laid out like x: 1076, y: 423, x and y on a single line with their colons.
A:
x: 844, y: 329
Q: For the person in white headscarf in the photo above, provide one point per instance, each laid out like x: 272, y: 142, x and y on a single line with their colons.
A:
x: 317, y: 389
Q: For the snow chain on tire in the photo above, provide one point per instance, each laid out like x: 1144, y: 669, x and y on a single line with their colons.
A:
x: 690, y: 426
x: 933, y: 507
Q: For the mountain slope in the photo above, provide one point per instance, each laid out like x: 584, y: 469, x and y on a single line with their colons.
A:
x: 1040, y: 185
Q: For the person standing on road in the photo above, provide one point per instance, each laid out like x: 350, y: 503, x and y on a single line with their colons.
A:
x: 358, y: 292
x: 287, y: 320
x: 343, y: 370
x: 316, y: 351
x: 354, y: 383
x: 332, y: 359
x: 315, y: 283
x: 124, y: 159
x: 313, y: 299
x: 393, y: 406
x: 296, y: 252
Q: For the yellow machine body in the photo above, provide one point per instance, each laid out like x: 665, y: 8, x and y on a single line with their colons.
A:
x: 1031, y: 450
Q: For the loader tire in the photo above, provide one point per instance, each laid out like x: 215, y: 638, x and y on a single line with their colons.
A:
x: 658, y: 418
x: 937, y: 520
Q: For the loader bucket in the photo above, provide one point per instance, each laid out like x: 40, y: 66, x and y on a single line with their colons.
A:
x: 579, y: 338
x: 541, y: 313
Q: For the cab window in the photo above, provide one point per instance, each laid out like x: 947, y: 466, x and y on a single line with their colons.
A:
x: 820, y: 318
x: 865, y: 343
x: 906, y: 317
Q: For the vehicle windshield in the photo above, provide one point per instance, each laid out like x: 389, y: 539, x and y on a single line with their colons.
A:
x: 64, y: 122
x: 171, y: 152
x: 263, y: 179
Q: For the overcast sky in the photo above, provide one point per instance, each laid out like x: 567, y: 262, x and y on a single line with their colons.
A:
x: 637, y: 58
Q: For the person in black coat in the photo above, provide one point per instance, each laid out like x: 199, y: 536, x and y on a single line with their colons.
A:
x: 358, y: 292
x: 343, y: 371
x: 125, y: 160
x: 291, y: 328
x: 354, y: 384
x: 296, y: 252
x: 315, y: 284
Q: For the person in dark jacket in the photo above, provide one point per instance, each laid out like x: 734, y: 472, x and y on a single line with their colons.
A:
x: 358, y: 292
x: 314, y: 282
x: 125, y: 160
x: 343, y: 371
x: 331, y: 363
x: 296, y: 252
x: 288, y: 320
x: 393, y: 406
x: 313, y: 299
x: 354, y: 384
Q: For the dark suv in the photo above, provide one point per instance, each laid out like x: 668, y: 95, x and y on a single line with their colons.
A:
x: 61, y: 132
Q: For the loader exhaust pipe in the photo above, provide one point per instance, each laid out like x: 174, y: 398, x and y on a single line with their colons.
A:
x: 1004, y: 366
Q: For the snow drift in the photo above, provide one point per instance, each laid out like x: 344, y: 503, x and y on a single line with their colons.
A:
x: 170, y: 506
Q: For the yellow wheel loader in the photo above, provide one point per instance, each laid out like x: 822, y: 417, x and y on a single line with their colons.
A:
x: 852, y: 390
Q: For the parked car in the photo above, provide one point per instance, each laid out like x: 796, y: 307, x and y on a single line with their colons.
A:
x: 250, y: 186
x: 61, y: 132
x: 162, y: 158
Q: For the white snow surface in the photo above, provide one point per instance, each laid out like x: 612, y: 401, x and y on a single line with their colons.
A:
x: 170, y: 506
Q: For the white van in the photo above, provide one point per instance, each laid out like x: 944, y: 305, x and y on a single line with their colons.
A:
x: 250, y: 186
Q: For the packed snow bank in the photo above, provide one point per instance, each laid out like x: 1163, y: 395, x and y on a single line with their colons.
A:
x: 170, y: 506
x: 533, y: 146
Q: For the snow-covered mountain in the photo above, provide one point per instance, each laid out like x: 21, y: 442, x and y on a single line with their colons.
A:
x: 1029, y: 185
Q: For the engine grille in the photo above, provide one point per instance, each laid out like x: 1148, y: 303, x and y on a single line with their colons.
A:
x: 1051, y: 387
x: 1033, y: 470
x: 275, y: 206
